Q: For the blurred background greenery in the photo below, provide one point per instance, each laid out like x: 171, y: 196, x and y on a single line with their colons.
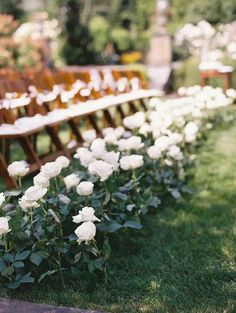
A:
x: 101, y: 32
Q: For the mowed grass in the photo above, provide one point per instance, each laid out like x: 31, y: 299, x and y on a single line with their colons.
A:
x: 184, y: 259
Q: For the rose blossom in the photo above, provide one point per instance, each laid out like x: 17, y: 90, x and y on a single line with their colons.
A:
x: 85, y: 232
x: 50, y: 169
x: 85, y: 215
x: 131, y: 162
x: 63, y: 161
x: 2, y: 198
x: 41, y: 180
x: 4, y: 226
x: 85, y: 188
x: 71, y: 181
x: 18, y: 169
x: 101, y: 169
x: 35, y: 193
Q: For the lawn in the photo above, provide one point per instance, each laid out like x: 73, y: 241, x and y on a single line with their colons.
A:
x: 183, y: 260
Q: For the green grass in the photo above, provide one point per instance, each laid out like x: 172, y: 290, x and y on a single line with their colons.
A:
x: 184, y: 260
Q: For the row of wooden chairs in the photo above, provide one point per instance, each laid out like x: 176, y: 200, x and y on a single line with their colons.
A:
x: 34, y: 102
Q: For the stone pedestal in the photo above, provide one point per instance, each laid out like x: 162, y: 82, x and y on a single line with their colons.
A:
x: 159, y: 60
x: 160, y: 52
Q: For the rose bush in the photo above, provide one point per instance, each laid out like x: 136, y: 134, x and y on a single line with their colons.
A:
x: 108, y: 188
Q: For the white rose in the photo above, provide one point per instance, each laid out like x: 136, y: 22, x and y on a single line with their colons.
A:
x: 50, y: 169
x: 85, y: 215
x: 18, y: 168
x: 175, y: 153
x: 134, y: 121
x: 111, y: 138
x: 4, y: 226
x: 41, y: 180
x: 26, y: 204
x: 145, y: 129
x: 154, y: 152
x: 132, y: 143
x: 131, y: 162
x: 119, y: 131
x: 162, y: 143
x: 112, y: 158
x: 98, y: 148
x: 2, y: 198
x: 85, y: 156
x: 35, y: 193
x: 101, y: 169
x: 85, y: 188
x: 71, y: 181
x: 63, y: 161
x: 190, y: 132
x: 175, y: 138
x: 89, y: 135
x: 85, y: 232
x: 107, y: 130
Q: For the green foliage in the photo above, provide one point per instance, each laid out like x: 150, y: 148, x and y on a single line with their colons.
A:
x: 78, y: 44
x: 12, y: 7
x: 122, y: 39
x: 99, y: 29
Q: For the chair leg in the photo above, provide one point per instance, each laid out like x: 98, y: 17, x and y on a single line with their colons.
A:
x: 121, y: 112
x: 132, y: 107
x: 29, y: 151
x: 143, y: 104
x: 9, y: 181
x: 75, y: 130
x: 94, y: 124
x: 109, y: 118
x: 57, y: 141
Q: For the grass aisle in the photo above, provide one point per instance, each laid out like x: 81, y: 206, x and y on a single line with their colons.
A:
x: 184, y: 259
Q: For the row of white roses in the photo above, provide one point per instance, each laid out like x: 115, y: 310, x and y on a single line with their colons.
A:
x: 100, y: 162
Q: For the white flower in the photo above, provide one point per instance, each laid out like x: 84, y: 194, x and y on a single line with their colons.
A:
x: 145, y: 129
x: 175, y: 153
x: 2, y: 198
x: 4, y: 226
x: 98, y: 148
x: 162, y: 143
x: 85, y: 215
x: 134, y: 121
x: 63, y: 161
x: 41, y: 180
x: 18, y: 168
x: 132, y: 143
x: 35, y: 193
x: 89, y: 135
x: 175, y: 138
x: 85, y: 232
x: 85, y: 156
x: 154, y: 152
x: 131, y: 162
x: 119, y: 131
x: 107, y: 130
x: 85, y: 188
x: 71, y: 181
x: 111, y: 138
x: 101, y: 169
x: 112, y: 158
x: 26, y: 204
x: 51, y: 169
x: 190, y: 132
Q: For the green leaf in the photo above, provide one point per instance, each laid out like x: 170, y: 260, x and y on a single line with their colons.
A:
x: 130, y: 207
x: 15, y: 284
x: 48, y: 273
x: 27, y: 278
x: 22, y: 256
x: 120, y: 196
x: 107, y: 249
x: 154, y: 202
x: 109, y: 227
x: 132, y: 224
x: 107, y: 198
x: 18, y: 264
x: 36, y: 258
x: 8, y: 271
